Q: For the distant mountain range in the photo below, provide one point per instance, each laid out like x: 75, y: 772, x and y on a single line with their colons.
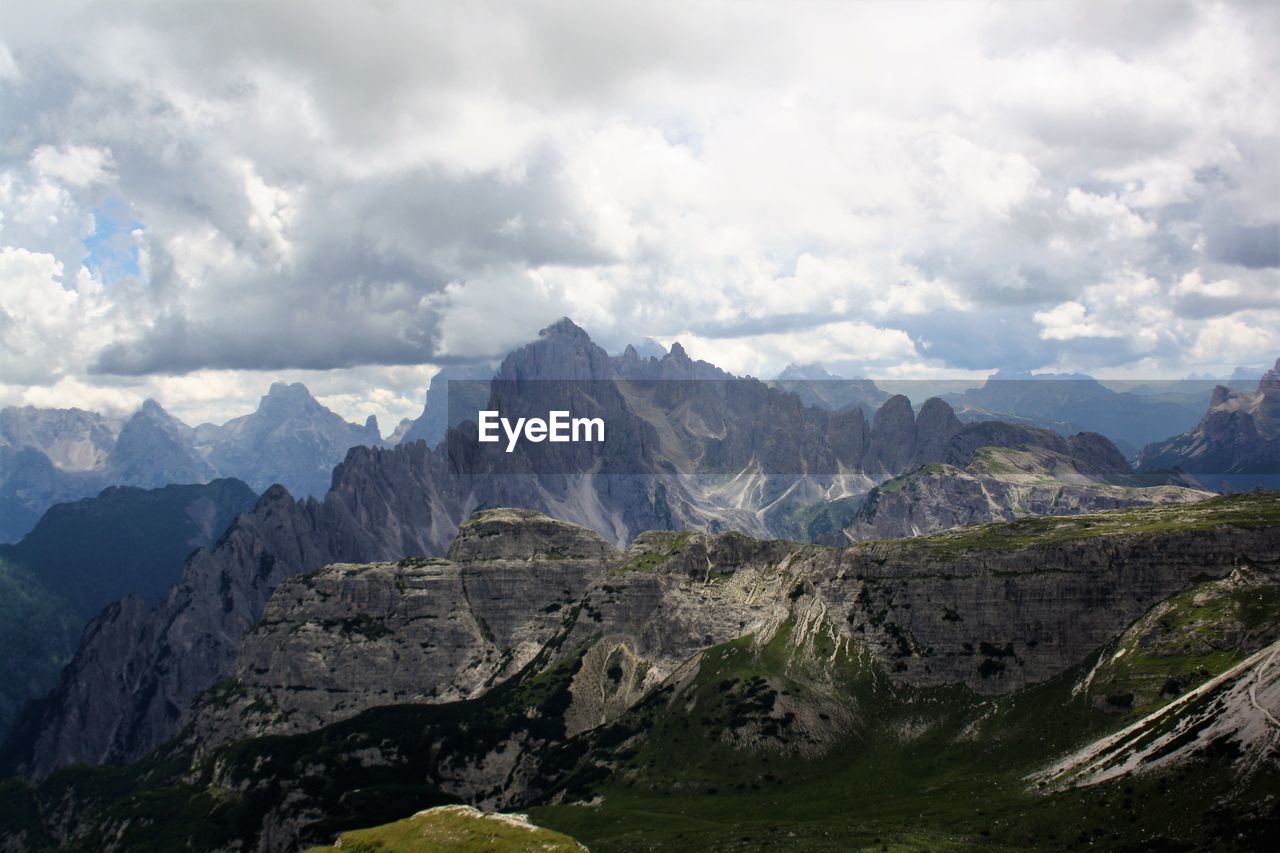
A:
x: 1132, y: 413
x: 50, y: 456
x: 1071, y: 403
x: 816, y: 386
x: 1002, y: 484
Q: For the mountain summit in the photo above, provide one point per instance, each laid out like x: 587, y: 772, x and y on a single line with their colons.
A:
x: 290, y: 439
x: 1239, y: 435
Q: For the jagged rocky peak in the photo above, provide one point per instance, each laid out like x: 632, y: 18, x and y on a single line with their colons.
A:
x: 936, y: 425
x: 401, y: 430
x: 283, y: 397
x: 152, y: 411
x: 152, y: 408
x: 897, y: 409
x: 1269, y: 393
x: 812, y: 370
x: 564, y: 327
x: 649, y: 348
x: 653, y: 362
x: 1239, y: 435
x: 1266, y: 397
x: 155, y: 448
x: 275, y: 494
x: 563, y: 351
x: 937, y: 414
x: 1221, y: 394
x: 515, y: 534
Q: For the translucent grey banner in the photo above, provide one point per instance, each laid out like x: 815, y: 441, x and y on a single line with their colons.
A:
x: 1197, y: 433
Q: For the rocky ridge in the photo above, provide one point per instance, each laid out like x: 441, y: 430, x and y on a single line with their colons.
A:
x: 1001, y: 484
x: 1239, y: 435
x: 520, y: 588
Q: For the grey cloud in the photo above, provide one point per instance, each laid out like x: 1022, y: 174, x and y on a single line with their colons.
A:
x: 1007, y: 339
x: 468, y: 216
x: 1127, y: 27
x: 1255, y: 247
x: 773, y: 323
x: 368, y: 252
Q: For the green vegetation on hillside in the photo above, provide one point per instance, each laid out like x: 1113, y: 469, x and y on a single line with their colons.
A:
x: 1243, y: 511
x: 38, y: 635
x: 1186, y: 640
x: 658, y: 547
x: 820, y: 522
x: 126, y: 540
x: 937, y: 769
x: 458, y: 829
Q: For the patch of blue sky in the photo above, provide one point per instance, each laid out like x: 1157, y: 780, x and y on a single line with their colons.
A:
x: 112, y: 248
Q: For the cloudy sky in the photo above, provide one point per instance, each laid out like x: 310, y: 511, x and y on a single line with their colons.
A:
x: 199, y: 198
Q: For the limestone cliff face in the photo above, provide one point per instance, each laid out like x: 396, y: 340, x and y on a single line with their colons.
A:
x: 522, y: 590
x: 1001, y: 484
x: 353, y: 637
x: 936, y: 611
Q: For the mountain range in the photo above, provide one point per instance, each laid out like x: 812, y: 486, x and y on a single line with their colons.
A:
x: 816, y: 386
x: 1002, y: 484
x: 567, y: 599
x: 1071, y: 403
x: 50, y: 456
x: 693, y: 447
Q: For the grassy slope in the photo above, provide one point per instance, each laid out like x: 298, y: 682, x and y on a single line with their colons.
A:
x: 926, y: 770
x: 453, y: 828
x: 959, y: 780
x: 1243, y: 510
